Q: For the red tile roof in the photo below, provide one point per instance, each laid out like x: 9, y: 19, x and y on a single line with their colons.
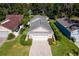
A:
x: 14, y: 21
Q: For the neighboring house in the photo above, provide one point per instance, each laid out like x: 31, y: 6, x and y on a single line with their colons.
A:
x: 39, y: 27
x: 11, y: 23
x: 69, y: 27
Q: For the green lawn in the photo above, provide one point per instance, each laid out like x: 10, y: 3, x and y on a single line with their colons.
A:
x: 64, y: 46
x: 14, y: 48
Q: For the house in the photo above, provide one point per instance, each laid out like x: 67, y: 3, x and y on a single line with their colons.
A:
x: 4, y: 30
x: 40, y: 28
x: 69, y: 27
x: 11, y: 24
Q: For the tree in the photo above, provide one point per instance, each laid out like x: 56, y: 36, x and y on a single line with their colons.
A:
x: 47, y: 9
x: 24, y: 21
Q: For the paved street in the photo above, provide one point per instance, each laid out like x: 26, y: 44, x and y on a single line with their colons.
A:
x: 40, y: 48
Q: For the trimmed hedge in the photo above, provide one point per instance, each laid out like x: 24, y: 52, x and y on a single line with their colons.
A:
x: 56, y: 33
x: 11, y: 36
x: 23, y: 42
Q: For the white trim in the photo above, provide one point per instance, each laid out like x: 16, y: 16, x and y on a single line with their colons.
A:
x: 4, y: 29
x: 5, y: 21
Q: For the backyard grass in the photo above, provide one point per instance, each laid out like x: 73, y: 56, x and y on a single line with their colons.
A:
x: 64, y: 46
x: 14, y: 48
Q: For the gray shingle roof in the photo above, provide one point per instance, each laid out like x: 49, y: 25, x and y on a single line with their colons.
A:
x: 38, y: 21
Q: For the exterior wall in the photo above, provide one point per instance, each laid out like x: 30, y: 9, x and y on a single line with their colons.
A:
x: 63, y: 29
x: 75, y: 35
x: 30, y: 36
x: 4, y: 34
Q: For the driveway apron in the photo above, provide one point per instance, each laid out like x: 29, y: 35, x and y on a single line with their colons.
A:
x: 40, y: 48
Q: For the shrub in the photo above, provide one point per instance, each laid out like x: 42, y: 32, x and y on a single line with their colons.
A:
x: 22, y: 30
x: 23, y: 42
x: 70, y: 54
x: 29, y: 42
x: 54, y: 43
x: 76, y: 52
x: 22, y: 39
x: 50, y: 41
x: 11, y: 36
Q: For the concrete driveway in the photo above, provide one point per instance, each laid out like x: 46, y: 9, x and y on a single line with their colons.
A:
x: 40, y: 48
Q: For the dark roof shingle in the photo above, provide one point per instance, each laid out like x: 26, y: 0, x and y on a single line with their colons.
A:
x: 14, y: 21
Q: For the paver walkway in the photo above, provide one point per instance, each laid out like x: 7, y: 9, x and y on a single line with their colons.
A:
x: 40, y: 48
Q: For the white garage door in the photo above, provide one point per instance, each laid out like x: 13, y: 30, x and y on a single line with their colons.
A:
x: 4, y: 34
x: 40, y: 38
